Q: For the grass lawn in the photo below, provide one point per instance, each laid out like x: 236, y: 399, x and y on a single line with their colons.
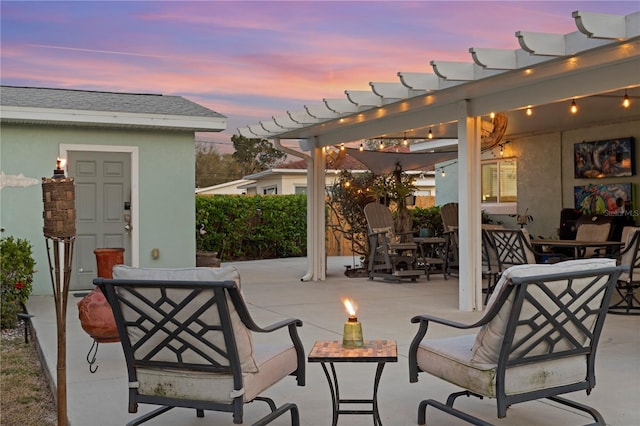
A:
x: 25, y: 396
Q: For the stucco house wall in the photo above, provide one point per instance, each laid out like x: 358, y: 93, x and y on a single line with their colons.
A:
x: 546, y: 173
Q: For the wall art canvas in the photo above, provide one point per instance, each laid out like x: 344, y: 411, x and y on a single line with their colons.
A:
x: 608, y: 158
x: 614, y: 199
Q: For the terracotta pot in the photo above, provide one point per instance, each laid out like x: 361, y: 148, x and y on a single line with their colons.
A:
x: 96, y: 316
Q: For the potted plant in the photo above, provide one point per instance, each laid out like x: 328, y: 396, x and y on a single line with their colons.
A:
x: 427, y: 221
x: 523, y: 219
x: 16, y: 276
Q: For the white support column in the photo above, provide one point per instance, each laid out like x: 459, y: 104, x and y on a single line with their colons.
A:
x: 317, y: 226
x: 470, y: 281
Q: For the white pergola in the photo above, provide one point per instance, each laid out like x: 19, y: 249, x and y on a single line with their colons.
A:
x: 601, y: 59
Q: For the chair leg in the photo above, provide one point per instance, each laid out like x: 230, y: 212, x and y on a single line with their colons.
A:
x: 422, y: 412
x: 272, y: 405
x: 149, y: 416
x: 628, y: 304
x: 592, y: 411
x: 295, y: 415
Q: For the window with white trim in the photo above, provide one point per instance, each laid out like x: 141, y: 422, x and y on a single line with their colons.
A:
x: 499, y: 185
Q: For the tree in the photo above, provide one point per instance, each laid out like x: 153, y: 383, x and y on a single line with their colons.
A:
x: 255, y: 155
x: 213, y: 168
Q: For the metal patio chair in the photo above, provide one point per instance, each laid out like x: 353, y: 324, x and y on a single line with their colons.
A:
x: 186, y: 335
x: 391, y: 256
x: 629, y: 281
x: 537, y: 339
x: 505, y: 248
x: 592, y: 232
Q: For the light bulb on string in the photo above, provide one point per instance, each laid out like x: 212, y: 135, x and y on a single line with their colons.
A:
x: 361, y: 148
x: 529, y: 111
x: 626, y: 102
x: 442, y: 172
x: 430, y: 134
x: 381, y: 146
x: 574, y: 107
x: 405, y: 142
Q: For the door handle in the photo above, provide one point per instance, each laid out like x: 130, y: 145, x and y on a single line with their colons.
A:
x: 127, y: 219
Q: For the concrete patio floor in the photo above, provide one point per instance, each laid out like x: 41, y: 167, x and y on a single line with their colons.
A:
x: 274, y: 291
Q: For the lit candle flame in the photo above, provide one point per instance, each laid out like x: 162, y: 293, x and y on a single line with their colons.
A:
x: 351, y: 308
x: 60, y: 162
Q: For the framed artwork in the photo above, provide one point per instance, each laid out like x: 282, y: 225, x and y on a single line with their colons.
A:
x: 608, y: 158
x: 614, y: 199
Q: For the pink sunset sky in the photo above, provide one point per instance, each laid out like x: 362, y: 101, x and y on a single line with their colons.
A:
x: 252, y: 60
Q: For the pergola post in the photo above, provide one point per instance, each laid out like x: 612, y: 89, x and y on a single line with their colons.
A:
x: 469, y: 212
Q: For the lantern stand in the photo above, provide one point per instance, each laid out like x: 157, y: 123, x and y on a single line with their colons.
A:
x: 58, y: 196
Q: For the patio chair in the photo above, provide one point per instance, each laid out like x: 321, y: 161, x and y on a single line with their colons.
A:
x: 538, y: 339
x: 490, y: 267
x: 629, y: 281
x: 449, y: 214
x: 391, y: 256
x: 592, y: 232
x: 187, y: 340
x: 505, y: 248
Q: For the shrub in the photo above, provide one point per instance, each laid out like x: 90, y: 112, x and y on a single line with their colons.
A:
x: 241, y: 227
x: 16, y: 277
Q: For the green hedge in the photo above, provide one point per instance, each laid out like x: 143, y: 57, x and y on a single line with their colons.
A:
x: 241, y: 227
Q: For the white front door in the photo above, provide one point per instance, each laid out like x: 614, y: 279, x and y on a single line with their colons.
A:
x: 103, y: 209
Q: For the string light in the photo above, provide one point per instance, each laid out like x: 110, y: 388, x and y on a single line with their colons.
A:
x: 405, y: 142
x: 442, y: 172
x: 492, y: 115
x: 529, y: 111
x: 430, y: 134
x: 501, y: 150
x: 574, y: 107
x: 342, y: 146
x: 626, y: 102
x: 361, y: 148
x: 381, y: 145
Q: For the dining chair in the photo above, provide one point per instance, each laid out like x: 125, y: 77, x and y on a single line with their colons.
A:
x: 592, y: 232
x: 629, y: 281
x: 187, y: 341
x: 490, y: 267
x: 506, y: 248
x: 521, y: 351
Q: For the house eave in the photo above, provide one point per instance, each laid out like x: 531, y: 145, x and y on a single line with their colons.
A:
x: 15, y: 114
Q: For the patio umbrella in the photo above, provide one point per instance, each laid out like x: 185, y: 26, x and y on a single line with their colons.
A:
x: 384, y: 162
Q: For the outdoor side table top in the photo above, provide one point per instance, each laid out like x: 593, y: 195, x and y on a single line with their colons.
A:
x: 372, y: 351
x: 331, y: 351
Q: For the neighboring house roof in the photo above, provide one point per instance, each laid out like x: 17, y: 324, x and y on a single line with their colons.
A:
x: 231, y: 187
x: 33, y: 104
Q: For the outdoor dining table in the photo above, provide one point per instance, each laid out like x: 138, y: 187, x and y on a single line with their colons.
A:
x: 577, y: 245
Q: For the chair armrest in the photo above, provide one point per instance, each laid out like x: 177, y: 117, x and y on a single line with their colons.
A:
x: 275, y: 326
x: 424, y: 320
x: 443, y: 321
x: 291, y: 323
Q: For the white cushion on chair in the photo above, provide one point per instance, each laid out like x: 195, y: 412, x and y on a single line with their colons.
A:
x: 243, y: 337
x: 450, y: 359
x: 488, y: 341
x: 275, y: 362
